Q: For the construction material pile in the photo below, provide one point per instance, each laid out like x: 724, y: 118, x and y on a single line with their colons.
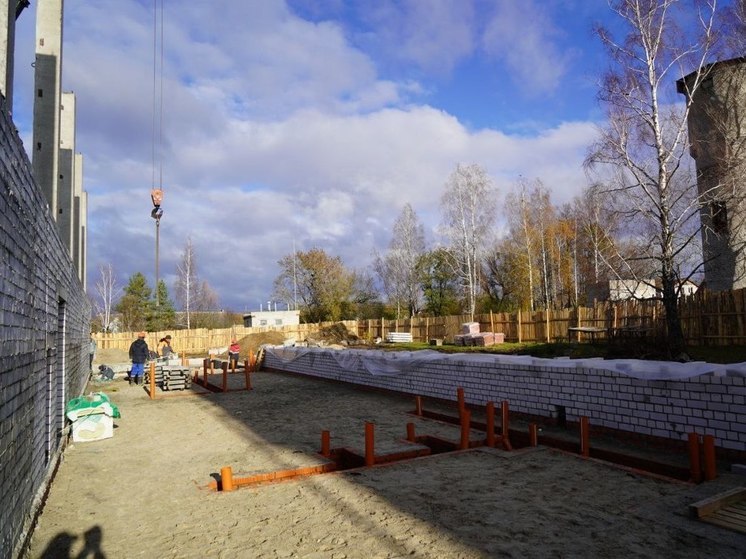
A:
x: 471, y: 336
x: 170, y: 377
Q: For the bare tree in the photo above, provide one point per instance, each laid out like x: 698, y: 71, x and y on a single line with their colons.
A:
x: 108, y: 294
x: 187, y: 283
x: 398, y: 267
x: 644, y: 141
x: 468, y: 209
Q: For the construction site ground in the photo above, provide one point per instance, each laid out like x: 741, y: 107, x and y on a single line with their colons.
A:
x: 150, y: 490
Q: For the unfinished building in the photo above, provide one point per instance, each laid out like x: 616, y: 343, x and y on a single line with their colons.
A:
x: 44, y: 309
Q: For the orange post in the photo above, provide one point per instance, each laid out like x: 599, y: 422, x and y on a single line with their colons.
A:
x: 252, y: 360
x: 224, y: 366
x: 585, y: 448
x: 247, y: 372
x: 410, y: 433
x: 708, y: 446
x: 418, y: 405
x: 505, y: 429
x: 695, y: 468
x: 325, y: 443
x: 490, y: 424
x: 226, y: 478
x: 152, y: 380
x: 205, y: 365
x: 370, y: 452
x: 465, y: 426
x: 460, y: 397
x: 533, y: 434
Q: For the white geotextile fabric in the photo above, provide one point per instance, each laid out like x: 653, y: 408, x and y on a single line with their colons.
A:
x: 390, y: 363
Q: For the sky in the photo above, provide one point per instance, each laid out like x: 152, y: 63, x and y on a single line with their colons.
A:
x: 310, y: 124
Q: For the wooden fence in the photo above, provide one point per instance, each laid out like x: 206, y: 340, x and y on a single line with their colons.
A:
x: 707, y: 318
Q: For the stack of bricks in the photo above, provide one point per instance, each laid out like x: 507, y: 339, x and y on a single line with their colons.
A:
x: 471, y: 336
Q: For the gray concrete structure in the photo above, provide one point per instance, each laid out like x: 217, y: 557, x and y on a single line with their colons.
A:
x: 66, y: 176
x: 47, y: 93
x: 43, y: 341
x: 7, y: 47
x: 44, y: 310
x: 80, y: 220
x: 717, y: 136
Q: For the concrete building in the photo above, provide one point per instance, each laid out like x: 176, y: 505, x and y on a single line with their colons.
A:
x: 717, y: 137
x: 271, y: 318
x: 44, y: 339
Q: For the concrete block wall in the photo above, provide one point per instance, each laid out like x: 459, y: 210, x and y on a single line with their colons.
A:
x: 45, y: 319
x: 670, y: 409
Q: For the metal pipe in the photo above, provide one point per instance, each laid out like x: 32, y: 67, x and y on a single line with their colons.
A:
x: 370, y: 453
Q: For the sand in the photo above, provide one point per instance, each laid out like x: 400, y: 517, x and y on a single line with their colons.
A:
x: 144, y: 492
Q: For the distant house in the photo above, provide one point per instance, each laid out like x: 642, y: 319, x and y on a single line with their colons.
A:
x: 271, y: 318
x: 622, y: 290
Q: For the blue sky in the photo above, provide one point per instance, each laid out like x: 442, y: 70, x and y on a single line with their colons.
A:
x: 312, y: 122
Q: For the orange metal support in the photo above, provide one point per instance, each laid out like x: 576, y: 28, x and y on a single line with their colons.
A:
x: 152, y: 380
x: 325, y: 443
x: 205, y: 364
x: 226, y: 478
x: 490, y: 424
x: 585, y: 436
x: 370, y: 449
x: 505, y: 417
x: 465, y: 426
x: 411, y: 437
x: 418, y: 405
x: 224, y: 366
x: 585, y: 448
x: 695, y: 468
x: 252, y: 360
x: 460, y: 396
x: 247, y: 372
x: 533, y: 434
x: 708, y: 445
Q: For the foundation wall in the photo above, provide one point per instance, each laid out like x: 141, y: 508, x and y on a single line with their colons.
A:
x: 668, y: 409
x: 44, y: 333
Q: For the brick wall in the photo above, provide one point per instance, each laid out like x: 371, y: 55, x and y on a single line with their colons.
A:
x: 670, y: 409
x: 45, y: 319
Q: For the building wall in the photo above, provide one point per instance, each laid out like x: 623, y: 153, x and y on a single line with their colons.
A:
x: 718, y: 145
x: 45, y: 319
x: 668, y: 409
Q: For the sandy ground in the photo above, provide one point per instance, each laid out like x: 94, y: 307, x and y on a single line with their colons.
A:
x: 144, y: 492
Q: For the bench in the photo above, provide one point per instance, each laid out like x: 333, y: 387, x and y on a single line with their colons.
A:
x: 591, y: 331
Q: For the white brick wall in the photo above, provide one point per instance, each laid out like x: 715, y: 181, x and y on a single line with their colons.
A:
x: 705, y: 404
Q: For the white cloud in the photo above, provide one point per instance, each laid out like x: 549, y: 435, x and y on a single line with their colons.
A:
x: 524, y: 37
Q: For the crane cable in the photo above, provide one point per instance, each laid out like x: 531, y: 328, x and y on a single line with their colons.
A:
x: 156, y: 192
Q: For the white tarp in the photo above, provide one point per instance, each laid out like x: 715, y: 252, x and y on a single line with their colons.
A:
x: 383, y: 363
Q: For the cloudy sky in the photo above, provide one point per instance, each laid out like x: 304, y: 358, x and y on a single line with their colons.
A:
x: 311, y: 123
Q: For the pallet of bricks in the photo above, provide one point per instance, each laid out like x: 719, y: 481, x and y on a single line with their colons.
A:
x: 170, y: 377
x: 471, y: 336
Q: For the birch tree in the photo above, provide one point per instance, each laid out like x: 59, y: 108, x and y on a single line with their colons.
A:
x: 468, y: 209
x: 397, y: 269
x: 187, y: 283
x: 108, y: 294
x: 643, y: 147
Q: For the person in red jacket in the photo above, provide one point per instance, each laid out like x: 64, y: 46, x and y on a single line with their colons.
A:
x: 233, y: 352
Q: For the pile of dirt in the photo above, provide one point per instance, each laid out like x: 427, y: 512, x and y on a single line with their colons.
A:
x: 335, y: 334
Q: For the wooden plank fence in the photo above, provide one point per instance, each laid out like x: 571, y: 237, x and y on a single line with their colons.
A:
x: 707, y: 318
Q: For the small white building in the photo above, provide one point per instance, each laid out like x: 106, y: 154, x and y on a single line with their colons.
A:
x: 270, y: 319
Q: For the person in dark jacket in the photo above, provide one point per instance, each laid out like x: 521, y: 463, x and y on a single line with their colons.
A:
x: 139, y: 354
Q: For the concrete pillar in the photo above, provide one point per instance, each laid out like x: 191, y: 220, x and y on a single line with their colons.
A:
x: 47, y: 92
x: 66, y: 175
x: 7, y: 48
x: 84, y: 240
x: 80, y: 219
